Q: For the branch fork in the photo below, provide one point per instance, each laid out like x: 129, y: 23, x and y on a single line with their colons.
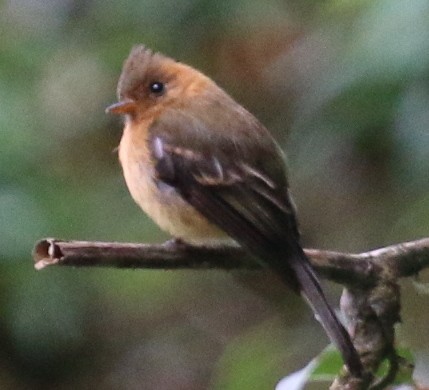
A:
x: 370, y: 301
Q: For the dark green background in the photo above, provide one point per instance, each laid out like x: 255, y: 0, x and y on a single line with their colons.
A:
x: 344, y: 87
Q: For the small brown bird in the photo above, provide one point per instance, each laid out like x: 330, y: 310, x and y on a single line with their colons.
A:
x: 208, y: 172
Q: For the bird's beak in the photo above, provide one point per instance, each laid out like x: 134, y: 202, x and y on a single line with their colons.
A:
x: 127, y: 106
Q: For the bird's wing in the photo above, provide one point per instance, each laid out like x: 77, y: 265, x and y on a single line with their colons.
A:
x: 241, y: 190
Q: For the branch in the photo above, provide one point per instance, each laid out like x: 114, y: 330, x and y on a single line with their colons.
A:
x: 370, y: 301
x: 364, y: 269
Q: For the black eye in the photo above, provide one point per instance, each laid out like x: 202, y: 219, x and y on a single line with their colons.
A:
x: 156, y: 87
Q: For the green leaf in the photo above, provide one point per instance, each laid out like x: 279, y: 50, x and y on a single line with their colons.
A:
x: 329, y: 363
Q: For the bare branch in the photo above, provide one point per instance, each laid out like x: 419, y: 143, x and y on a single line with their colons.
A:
x: 364, y: 269
x: 370, y: 301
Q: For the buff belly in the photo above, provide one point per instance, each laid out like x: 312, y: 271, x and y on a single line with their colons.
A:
x: 163, y: 204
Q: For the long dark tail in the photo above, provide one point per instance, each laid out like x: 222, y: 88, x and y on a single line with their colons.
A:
x: 310, y: 288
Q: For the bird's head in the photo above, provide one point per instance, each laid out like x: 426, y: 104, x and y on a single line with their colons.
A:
x: 151, y: 81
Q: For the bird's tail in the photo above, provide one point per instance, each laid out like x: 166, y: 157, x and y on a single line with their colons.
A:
x: 311, y: 290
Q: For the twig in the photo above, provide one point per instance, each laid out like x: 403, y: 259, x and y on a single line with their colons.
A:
x: 363, y: 270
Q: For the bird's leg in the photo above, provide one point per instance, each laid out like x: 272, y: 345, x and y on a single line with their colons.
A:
x: 177, y: 244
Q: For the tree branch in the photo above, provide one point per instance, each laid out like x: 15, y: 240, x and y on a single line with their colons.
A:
x: 364, y: 269
x: 370, y: 302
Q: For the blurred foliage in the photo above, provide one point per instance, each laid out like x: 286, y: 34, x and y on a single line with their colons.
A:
x: 343, y: 85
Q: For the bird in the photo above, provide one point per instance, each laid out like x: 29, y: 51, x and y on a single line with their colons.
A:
x: 209, y: 173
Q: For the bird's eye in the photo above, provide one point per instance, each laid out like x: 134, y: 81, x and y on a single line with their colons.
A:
x: 156, y: 87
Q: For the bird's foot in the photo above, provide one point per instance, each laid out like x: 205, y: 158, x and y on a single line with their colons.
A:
x: 177, y: 244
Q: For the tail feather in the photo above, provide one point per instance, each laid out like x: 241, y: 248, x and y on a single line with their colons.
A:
x: 312, y: 291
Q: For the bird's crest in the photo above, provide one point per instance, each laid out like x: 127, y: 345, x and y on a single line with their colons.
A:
x: 140, y: 64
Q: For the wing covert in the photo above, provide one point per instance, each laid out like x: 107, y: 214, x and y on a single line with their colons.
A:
x: 251, y: 205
